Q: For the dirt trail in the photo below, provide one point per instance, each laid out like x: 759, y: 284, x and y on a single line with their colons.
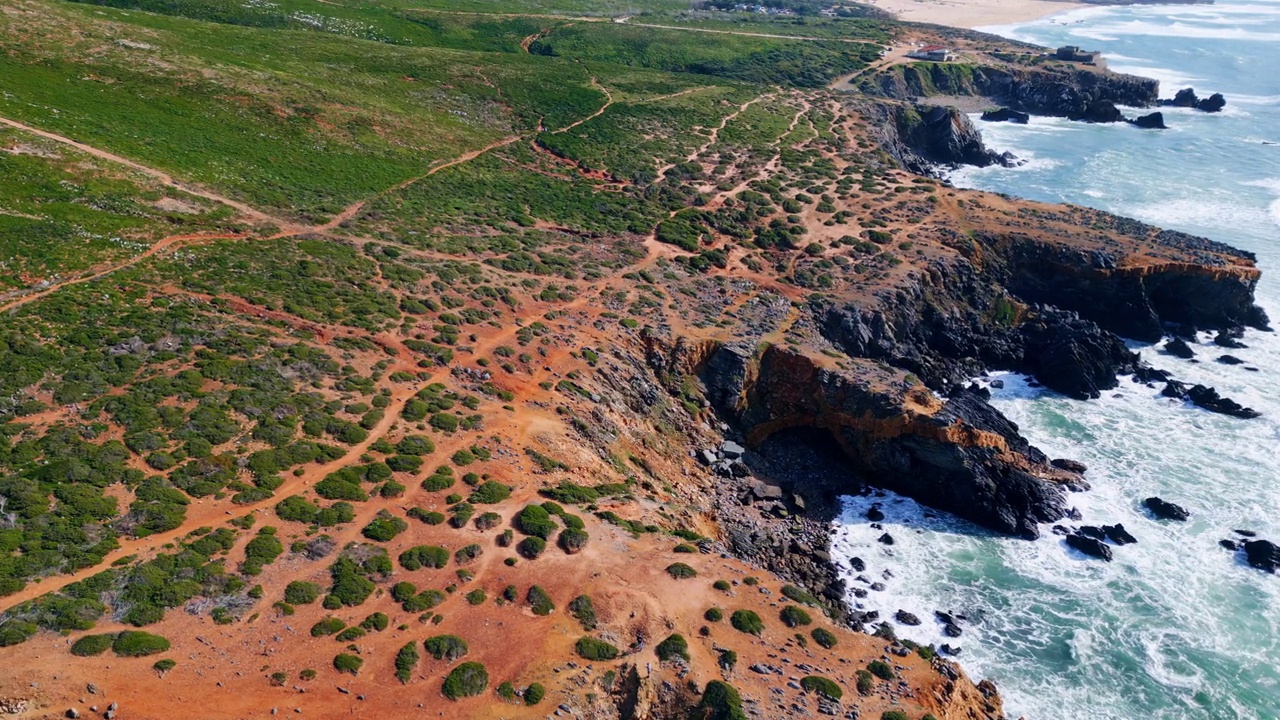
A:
x: 249, y: 212
x: 608, y: 101
x: 715, y: 132
x: 166, y: 243
x: 858, y: 41
x: 354, y: 208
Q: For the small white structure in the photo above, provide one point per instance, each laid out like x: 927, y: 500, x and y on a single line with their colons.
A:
x: 932, y: 53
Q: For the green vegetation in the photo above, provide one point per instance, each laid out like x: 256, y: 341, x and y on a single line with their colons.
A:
x: 674, y: 646
x: 445, y: 647
x: 539, y: 601
x: 584, y: 611
x: 793, y: 616
x: 384, y: 527
x: 822, y: 686
x: 799, y: 595
x: 424, y: 556
x: 347, y: 663
x: 894, y: 715
x: 327, y: 626
x: 720, y: 701
x: 536, y: 521
x: 91, y: 645
x: 406, y: 660
x: 824, y: 637
x: 592, y: 649
x: 680, y: 571
x: 164, y: 666
x: 713, y: 614
x: 135, y: 643
x: 534, y: 694
x: 880, y: 669
x: 300, y: 592
x: 466, y: 680
x: 866, y: 682
x: 746, y: 621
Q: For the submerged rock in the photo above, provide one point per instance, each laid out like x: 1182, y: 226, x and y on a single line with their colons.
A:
x: 1118, y: 535
x: 1165, y: 510
x: 906, y: 618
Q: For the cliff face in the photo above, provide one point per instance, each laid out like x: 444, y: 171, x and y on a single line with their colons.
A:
x: 931, y: 134
x: 1035, y: 289
x: 1066, y: 91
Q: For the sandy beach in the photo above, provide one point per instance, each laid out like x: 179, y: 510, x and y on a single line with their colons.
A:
x: 974, y: 13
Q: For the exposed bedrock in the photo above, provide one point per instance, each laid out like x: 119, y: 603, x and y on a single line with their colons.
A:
x: 944, y: 135
x: 959, y: 454
x: 1059, y: 91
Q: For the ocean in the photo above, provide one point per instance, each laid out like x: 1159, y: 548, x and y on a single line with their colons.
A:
x: 1176, y: 627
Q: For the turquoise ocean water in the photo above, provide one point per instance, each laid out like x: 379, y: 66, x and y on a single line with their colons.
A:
x: 1175, y: 627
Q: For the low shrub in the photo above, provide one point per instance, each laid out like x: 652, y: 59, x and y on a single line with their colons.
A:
x: 428, y: 556
x: 713, y: 614
x: 747, y: 621
x: 466, y: 680
x: 590, y: 648
x: 347, y: 663
x: 584, y: 611
x: 720, y: 701
x: 406, y: 661
x: 824, y: 637
x: 680, y: 571
x: 880, y: 669
x: 534, y: 694
x: 327, y: 626
x: 675, y: 646
x: 531, y: 547
x: 445, y: 647
x: 866, y: 683
x: 540, y: 601
x: 299, y: 592
x: 535, y: 520
x: 799, y: 595
x: 572, y: 540
x: 135, y: 643
x: 793, y: 616
x: 91, y: 645
x: 822, y: 686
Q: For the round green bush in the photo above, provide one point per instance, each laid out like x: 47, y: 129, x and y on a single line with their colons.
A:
x: 680, y: 571
x: 822, y: 686
x: 164, y: 666
x: 793, y: 616
x: 880, y: 669
x: 713, y: 614
x: 866, y: 683
x: 722, y: 585
x: 824, y: 637
x: 534, y: 694
x: 673, y: 647
x: 327, y: 626
x: 347, y: 663
x: 531, y: 547
x: 135, y: 643
x: 746, y: 621
x: 535, y: 520
x: 572, y: 540
x: 466, y: 680
x: 91, y: 645
x: 720, y: 701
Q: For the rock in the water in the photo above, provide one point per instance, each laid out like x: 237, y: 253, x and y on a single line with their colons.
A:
x: 1185, y: 97
x: 1165, y: 510
x: 857, y: 564
x: 1091, y: 531
x: 1154, y: 121
x: 1229, y: 544
x: 952, y: 630
x: 1006, y: 115
x: 1213, y: 103
x: 1118, y: 535
x: 1263, y: 554
x: 1230, y: 360
x: 1090, y: 546
x: 1069, y: 465
x: 1230, y: 339
x: 1245, y: 533
x: 946, y: 649
x: 1209, y: 399
x: 1178, y: 347
x: 1100, y: 111
x: 875, y: 514
x: 886, y: 538
x: 906, y: 618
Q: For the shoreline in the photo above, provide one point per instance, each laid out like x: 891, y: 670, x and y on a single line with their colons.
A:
x: 972, y: 14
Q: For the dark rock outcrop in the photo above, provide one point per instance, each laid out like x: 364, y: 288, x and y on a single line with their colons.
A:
x: 1098, y: 111
x: 1118, y: 535
x: 1262, y: 554
x: 1154, y: 121
x: 1040, y: 90
x: 1178, y: 347
x: 944, y: 136
x: 1187, y: 98
x: 1006, y: 115
x: 1089, y: 546
x: 906, y: 618
x: 1165, y: 510
x: 1209, y: 399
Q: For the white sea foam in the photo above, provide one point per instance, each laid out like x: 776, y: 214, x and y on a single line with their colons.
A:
x: 1112, y: 31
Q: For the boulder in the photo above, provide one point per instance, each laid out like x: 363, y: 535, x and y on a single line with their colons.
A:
x: 857, y: 564
x: 946, y: 649
x: 1213, y: 103
x: 1165, y: 510
x: 874, y: 514
x: 1099, y: 111
x: 1154, y: 121
x: 1178, y: 347
x: 886, y: 538
x: 1092, y: 531
x: 731, y: 450
x: 1229, y: 544
x: 1118, y: 535
x: 1089, y: 546
x: 1230, y: 339
x: 1262, y: 554
x: 1209, y: 399
x: 1185, y: 97
x: 952, y: 630
x: 1229, y: 360
x: 906, y: 618
x: 1006, y: 115
x: 1069, y: 465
